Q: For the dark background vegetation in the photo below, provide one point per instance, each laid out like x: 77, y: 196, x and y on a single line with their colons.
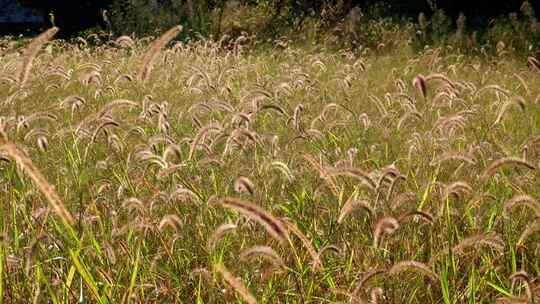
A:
x: 75, y: 16
x: 70, y: 16
x: 362, y: 23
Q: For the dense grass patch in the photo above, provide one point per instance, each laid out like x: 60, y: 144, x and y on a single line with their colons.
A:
x: 295, y: 174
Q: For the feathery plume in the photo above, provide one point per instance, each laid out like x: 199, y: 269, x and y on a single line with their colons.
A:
x: 170, y: 220
x: 324, y: 174
x: 534, y: 63
x: 424, y: 215
x: 235, y: 283
x: 362, y: 176
x: 353, y: 204
x: 416, y: 267
x: 530, y: 229
x: 153, y: 51
x: 218, y: 234
x: 375, y: 294
x: 524, y: 200
x: 125, y: 41
x: 263, y: 251
x: 523, y: 276
x: 31, y: 51
x: 315, y: 256
x: 455, y: 157
x: 494, y: 166
x: 492, y: 240
x: 43, y: 185
x: 365, y: 278
x: 243, y: 184
x: 386, y: 225
x: 512, y: 300
x: 273, y: 226
x: 419, y: 82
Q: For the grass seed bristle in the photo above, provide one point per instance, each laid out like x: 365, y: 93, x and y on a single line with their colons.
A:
x: 235, y: 283
x: 40, y: 181
x: 273, y: 226
x: 218, y: 234
x: 353, y: 204
x: 416, y: 267
x: 31, y: 51
x: 153, y: 51
x: 265, y: 252
x: 494, y: 166
x: 384, y: 226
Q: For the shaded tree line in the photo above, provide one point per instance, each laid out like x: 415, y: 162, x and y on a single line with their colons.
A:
x: 75, y: 16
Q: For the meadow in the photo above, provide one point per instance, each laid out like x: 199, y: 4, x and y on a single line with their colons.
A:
x: 154, y: 171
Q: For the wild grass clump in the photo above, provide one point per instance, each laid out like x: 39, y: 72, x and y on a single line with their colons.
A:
x: 147, y: 171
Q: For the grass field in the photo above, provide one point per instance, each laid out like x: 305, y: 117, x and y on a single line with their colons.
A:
x: 147, y: 172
